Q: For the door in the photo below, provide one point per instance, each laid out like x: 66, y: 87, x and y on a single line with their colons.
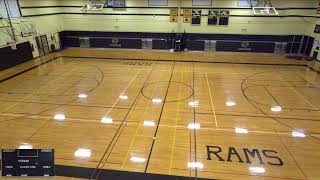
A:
x: 315, y: 55
x: 45, y: 44
x: 39, y: 45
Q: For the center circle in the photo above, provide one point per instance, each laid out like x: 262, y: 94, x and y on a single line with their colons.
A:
x: 159, y: 89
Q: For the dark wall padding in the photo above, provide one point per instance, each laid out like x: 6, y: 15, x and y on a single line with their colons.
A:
x: 115, y: 43
x: 70, y: 41
x: 160, y: 44
x: 10, y: 58
x: 192, y: 41
x: 194, y: 45
x: 245, y: 46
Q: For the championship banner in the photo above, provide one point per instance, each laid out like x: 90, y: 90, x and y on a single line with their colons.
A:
x: 213, y: 16
x: 196, y: 16
x: 174, y: 15
x: 224, y: 17
x: 187, y: 14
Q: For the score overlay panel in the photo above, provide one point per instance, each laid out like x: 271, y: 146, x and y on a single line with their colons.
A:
x: 27, y: 162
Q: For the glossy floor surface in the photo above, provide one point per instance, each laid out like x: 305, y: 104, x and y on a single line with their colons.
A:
x: 206, y: 120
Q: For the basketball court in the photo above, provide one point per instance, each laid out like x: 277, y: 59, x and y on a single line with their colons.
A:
x: 182, y: 110
x: 192, y: 119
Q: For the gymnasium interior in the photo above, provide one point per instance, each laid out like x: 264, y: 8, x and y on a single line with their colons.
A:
x: 160, y: 89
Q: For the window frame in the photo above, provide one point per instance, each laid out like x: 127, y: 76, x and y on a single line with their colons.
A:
x: 149, y: 4
x: 17, y: 10
x: 193, y: 3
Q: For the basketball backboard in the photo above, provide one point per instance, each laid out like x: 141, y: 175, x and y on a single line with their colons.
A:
x: 265, y: 11
x: 90, y: 6
x: 27, y: 28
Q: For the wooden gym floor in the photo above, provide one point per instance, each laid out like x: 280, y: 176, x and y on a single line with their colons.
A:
x: 191, y: 119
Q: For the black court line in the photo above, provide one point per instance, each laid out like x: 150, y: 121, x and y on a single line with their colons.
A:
x: 272, y: 95
x: 276, y: 119
x: 27, y: 70
x: 159, y: 119
x: 85, y: 173
x: 194, y: 121
x: 172, y: 101
x: 106, y: 160
x: 97, y: 172
x: 64, y: 104
x: 268, y: 105
x: 262, y: 116
x: 269, y: 85
x: 170, y: 60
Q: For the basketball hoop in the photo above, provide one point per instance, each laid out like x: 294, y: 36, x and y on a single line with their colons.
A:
x: 265, y: 11
x: 92, y: 5
x: 27, y: 28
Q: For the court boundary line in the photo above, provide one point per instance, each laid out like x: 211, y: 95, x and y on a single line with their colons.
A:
x: 175, y: 128
x: 194, y: 121
x: 171, y: 60
x: 276, y: 119
x: 96, y: 170
x: 59, y: 57
x: 84, y: 172
x: 159, y: 119
x: 27, y: 70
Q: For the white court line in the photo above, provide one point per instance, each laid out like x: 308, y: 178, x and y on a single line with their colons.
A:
x: 98, y: 121
x: 308, y: 102
x: 114, y: 104
x: 33, y: 93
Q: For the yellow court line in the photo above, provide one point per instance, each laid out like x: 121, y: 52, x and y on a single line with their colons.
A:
x: 35, y: 92
x: 133, y: 123
x: 175, y: 129
x: 134, y: 137
x: 135, y: 133
x: 213, y: 109
x: 299, y: 94
x: 114, y: 104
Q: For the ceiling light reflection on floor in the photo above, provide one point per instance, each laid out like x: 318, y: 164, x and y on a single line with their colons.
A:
x: 137, y: 159
x: 194, y: 165
x: 231, y: 103
x: 82, y: 153
x: 83, y: 95
x: 241, y: 130
x: 194, y: 104
x: 25, y: 146
x: 59, y: 117
x: 276, y: 108
x: 107, y: 120
x: 123, y: 97
x: 257, y: 170
x: 193, y: 126
x: 157, y: 101
x: 296, y: 133
x: 148, y: 123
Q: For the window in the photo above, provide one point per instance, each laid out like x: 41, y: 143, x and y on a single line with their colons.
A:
x: 201, y: 2
x: 317, y: 29
x: 116, y: 3
x: 247, y: 3
x: 158, y: 2
x: 12, y: 6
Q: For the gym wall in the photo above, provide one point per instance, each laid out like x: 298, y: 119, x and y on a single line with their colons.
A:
x: 66, y: 15
x: 296, y: 17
